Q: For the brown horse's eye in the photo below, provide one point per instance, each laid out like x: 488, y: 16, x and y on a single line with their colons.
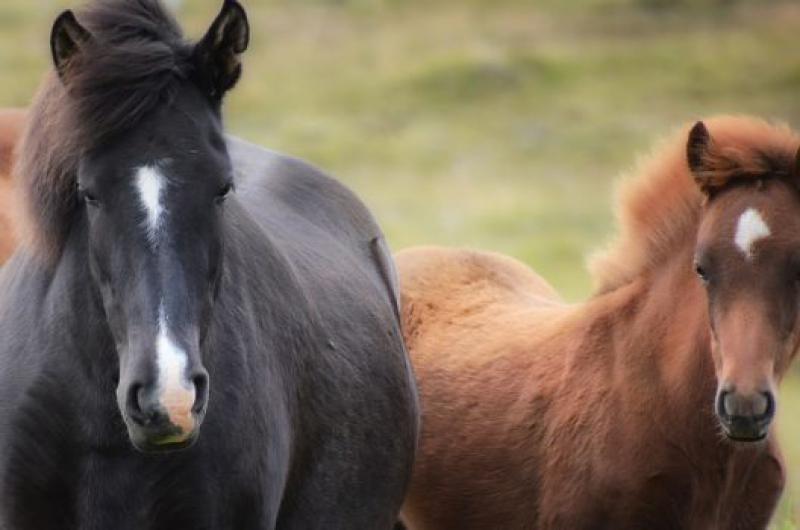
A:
x: 701, y: 273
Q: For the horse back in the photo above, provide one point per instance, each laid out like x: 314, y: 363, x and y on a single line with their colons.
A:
x: 441, y: 285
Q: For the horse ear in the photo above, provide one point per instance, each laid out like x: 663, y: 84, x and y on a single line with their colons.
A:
x: 218, y: 52
x: 66, y: 40
x: 698, y: 147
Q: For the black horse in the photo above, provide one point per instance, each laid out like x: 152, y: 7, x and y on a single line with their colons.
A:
x: 200, y: 334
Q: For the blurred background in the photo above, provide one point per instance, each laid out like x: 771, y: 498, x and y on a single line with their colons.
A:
x: 499, y: 124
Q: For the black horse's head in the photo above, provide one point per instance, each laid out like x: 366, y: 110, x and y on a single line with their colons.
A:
x: 151, y: 186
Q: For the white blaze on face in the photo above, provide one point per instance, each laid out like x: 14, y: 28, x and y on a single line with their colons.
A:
x: 150, y: 183
x: 750, y: 229
x: 175, y: 392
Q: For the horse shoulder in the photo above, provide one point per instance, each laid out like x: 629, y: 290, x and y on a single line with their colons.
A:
x: 302, y: 188
x: 317, y: 213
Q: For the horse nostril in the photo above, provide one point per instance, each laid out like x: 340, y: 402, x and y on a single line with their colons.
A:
x: 200, y: 382
x: 758, y: 407
x: 767, y: 407
x: 133, y: 404
x: 723, y: 405
x: 729, y: 404
x: 140, y: 406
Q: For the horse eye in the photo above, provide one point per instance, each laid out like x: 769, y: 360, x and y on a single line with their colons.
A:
x: 89, y: 198
x: 701, y: 273
x: 223, y: 193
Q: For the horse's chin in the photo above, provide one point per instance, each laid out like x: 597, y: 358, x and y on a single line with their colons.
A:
x: 160, y: 442
x: 163, y: 446
x: 745, y: 438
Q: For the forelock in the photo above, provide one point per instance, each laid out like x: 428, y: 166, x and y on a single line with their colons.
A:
x: 136, y: 60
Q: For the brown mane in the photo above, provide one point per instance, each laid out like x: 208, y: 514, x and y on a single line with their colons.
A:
x: 659, y: 210
x: 134, y: 61
x: 11, y: 124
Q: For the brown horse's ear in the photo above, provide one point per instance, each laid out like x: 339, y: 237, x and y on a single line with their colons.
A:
x: 67, y: 38
x: 698, y: 152
x: 697, y: 146
x: 217, y: 55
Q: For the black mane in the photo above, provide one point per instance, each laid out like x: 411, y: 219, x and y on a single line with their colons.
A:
x: 134, y: 62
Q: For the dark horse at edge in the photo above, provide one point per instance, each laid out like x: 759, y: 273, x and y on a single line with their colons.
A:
x: 198, y: 333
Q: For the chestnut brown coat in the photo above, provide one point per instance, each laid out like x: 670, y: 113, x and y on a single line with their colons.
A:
x: 538, y: 414
x: 11, y: 123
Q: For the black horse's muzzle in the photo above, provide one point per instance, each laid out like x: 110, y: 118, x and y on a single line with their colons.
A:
x: 159, y: 421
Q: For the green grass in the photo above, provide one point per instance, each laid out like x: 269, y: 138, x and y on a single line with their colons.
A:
x: 497, y: 124
x: 788, y: 516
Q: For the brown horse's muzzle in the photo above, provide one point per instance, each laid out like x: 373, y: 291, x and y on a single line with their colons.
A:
x: 745, y: 417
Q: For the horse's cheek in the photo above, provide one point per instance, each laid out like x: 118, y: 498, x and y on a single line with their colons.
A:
x: 716, y: 354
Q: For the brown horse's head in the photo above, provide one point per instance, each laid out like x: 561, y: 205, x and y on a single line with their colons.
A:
x: 748, y: 257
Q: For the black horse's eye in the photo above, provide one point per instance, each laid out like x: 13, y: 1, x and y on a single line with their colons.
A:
x: 88, y: 197
x: 223, y: 193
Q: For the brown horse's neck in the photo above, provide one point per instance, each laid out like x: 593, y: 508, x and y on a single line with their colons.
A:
x: 661, y: 340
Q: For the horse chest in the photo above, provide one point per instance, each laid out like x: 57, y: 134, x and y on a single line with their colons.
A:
x: 617, y: 501
x: 734, y: 490
x: 119, y: 494
x: 97, y: 488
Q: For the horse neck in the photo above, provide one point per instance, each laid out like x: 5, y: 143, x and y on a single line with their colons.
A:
x: 661, y: 341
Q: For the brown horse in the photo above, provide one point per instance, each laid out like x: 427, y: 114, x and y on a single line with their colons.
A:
x: 646, y: 407
x: 11, y: 122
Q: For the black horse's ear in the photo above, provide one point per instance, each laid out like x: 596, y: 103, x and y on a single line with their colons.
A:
x: 66, y: 40
x: 217, y: 54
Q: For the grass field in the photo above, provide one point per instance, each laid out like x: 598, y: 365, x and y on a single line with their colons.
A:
x: 497, y: 124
